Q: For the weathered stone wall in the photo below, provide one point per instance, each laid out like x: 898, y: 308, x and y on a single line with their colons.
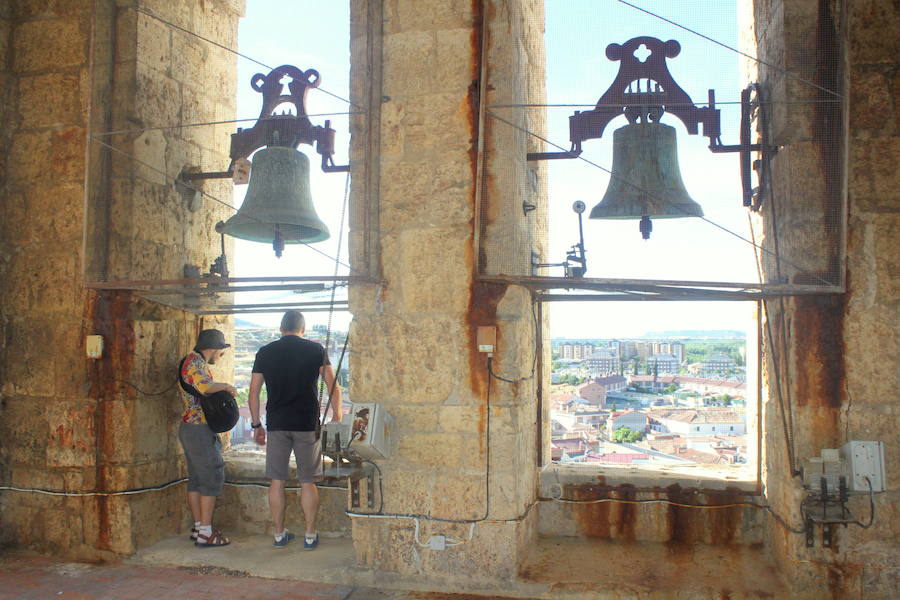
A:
x: 68, y: 422
x: 828, y: 355
x: 414, y: 335
x: 244, y: 506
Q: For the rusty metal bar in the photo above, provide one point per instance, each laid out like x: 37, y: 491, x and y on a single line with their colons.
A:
x: 660, y: 286
x: 216, y: 289
x: 226, y: 311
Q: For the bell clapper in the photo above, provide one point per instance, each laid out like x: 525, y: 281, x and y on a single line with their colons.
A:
x: 278, y: 243
x: 646, y: 227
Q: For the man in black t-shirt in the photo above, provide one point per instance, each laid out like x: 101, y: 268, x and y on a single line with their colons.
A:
x: 290, y: 368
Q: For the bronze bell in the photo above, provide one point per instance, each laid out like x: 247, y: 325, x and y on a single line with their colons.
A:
x: 277, y: 208
x: 646, y: 180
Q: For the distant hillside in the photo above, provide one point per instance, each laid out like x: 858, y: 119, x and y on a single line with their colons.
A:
x: 701, y: 334
x: 695, y: 334
x: 242, y: 324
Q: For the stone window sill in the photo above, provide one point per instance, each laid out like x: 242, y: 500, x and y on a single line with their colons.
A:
x: 247, y: 464
x: 651, y: 479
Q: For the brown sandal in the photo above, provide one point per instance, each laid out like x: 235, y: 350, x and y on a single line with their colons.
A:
x: 216, y: 539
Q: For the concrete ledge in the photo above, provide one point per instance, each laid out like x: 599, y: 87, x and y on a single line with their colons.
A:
x: 587, y: 501
x: 645, y: 478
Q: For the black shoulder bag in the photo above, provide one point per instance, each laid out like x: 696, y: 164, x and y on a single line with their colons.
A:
x: 219, y: 408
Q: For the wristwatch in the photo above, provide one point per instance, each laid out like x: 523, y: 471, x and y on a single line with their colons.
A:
x: 255, y: 426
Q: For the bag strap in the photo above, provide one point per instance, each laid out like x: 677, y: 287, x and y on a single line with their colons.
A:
x: 185, y: 385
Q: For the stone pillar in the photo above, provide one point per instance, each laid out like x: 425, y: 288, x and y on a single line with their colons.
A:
x: 76, y: 211
x: 413, y: 334
x: 827, y: 355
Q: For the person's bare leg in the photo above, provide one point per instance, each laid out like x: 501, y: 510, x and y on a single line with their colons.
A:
x: 309, y: 501
x: 194, y: 503
x: 276, y: 504
x: 207, y: 506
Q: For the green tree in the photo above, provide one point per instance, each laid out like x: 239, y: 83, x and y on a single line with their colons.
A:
x: 624, y: 434
x: 670, y: 388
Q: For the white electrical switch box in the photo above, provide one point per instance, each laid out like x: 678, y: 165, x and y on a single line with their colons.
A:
x: 370, y: 429
x: 94, y: 346
x: 367, y: 434
x: 865, y: 461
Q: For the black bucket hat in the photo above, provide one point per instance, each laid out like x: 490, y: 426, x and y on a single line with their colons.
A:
x: 211, y: 339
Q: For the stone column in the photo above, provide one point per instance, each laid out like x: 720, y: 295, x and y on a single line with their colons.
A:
x: 834, y: 174
x: 77, y: 211
x: 413, y: 334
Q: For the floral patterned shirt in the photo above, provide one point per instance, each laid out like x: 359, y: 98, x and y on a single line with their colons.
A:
x: 195, y: 371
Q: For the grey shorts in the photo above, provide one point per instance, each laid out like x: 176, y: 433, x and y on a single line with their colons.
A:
x: 203, y: 453
x: 307, y: 454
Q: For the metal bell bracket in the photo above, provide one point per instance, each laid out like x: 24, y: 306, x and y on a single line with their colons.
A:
x: 575, y: 254
x: 285, y: 130
x: 644, y: 90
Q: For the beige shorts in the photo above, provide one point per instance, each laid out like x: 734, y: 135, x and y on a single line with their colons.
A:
x: 307, y: 454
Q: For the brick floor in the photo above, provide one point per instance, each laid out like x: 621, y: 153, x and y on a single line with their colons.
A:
x: 39, y: 578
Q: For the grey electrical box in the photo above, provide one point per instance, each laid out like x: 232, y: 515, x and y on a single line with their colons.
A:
x: 865, y: 465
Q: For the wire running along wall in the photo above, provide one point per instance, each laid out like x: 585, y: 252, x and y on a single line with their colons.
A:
x: 788, y: 241
x: 169, y: 103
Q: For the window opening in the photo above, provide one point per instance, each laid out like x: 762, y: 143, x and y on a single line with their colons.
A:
x: 172, y: 174
x: 655, y: 386
x: 269, y: 34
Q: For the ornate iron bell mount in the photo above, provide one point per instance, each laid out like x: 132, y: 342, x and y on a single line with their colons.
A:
x: 278, y: 208
x: 643, y: 90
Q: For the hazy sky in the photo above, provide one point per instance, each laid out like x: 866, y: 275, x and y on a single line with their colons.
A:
x: 314, y: 34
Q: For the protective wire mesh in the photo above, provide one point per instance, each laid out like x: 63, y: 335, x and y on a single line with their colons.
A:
x: 789, y: 241
x: 169, y: 88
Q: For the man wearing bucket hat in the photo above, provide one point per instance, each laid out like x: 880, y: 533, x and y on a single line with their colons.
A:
x: 202, y: 448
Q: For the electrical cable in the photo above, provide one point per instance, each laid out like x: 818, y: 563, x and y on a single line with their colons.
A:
x: 206, y: 124
x: 226, y: 48
x: 487, y: 482
x: 143, y: 490
x: 129, y: 384
x: 786, y: 427
x: 202, y: 124
x: 641, y: 104
x: 95, y: 493
x: 380, y: 487
x: 871, y: 507
x: 487, y: 430
x: 331, y: 304
x: 735, y: 50
x: 768, y: 508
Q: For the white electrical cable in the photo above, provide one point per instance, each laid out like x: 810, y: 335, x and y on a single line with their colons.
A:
x: 448, y: 540
x: 122, y: 493
x: 416, y: 535
x: 455, y: 542
x: 145, y: 490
